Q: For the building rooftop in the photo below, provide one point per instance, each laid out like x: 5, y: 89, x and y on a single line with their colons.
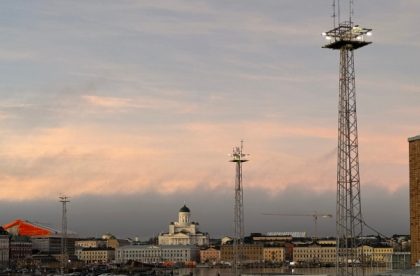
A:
x: 98, y: 249
x: 415, y: 138
x: 293, y: 234
x: 33, y: 229
x: 133, y: 246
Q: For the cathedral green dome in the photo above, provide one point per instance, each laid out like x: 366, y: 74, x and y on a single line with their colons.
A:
x: 184, y: 209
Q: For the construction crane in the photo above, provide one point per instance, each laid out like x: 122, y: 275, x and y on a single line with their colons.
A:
x: 315, y: 216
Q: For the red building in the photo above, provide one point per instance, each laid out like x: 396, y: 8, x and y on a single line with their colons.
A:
x: 31, y: 229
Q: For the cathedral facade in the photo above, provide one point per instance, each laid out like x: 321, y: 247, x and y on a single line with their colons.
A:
x: 183, y: 231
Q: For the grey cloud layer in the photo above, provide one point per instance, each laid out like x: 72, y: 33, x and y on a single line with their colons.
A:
x: 149, y: 214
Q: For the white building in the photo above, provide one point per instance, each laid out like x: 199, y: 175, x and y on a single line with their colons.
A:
x: 184, y: 232
x: 95, y: 254
x: 157, y: 253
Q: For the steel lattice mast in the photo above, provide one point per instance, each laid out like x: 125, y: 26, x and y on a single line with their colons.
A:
x: 238, y: 157
x: 64, y: 256
x: 346, y: 38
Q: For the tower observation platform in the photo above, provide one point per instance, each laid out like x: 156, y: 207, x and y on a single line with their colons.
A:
x: 347, y: 36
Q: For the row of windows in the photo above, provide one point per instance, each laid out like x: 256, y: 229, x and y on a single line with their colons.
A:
x: 313, y: 250
x: 154, y: 252
x: 313, y: 256
x: 140, y: 255
x: 94, y: 254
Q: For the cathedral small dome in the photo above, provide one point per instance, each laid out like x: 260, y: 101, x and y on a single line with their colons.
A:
x: 184, y: 209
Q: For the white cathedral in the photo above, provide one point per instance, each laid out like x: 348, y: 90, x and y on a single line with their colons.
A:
x: 184, y: 232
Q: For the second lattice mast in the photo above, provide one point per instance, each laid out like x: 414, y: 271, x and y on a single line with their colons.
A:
x: 238, y: 157
x: 64, y: 254
x: 347, y: 37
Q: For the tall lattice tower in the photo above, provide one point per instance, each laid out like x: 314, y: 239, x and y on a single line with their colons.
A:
x: 347, y: 37
x: 238, y: 157
x: 64, y: 256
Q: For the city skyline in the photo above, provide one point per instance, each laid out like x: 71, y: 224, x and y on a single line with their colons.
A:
x: 130, y: 101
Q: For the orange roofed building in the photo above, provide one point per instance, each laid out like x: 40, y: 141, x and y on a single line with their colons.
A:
x: 31, y: 229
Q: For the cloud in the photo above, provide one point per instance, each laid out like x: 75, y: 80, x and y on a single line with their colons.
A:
x: 89, y: 159
x: 109, y: 102
x: 89, y: 214
x: 17, y: 55
x: 148, y: 103
x: 153, y: 100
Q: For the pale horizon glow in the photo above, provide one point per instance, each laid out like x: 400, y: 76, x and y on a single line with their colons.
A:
x: 106, y: 98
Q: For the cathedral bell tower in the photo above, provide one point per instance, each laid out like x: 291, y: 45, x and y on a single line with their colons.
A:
x: 184, y: 215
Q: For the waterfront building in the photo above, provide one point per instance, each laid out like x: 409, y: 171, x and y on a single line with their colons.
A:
x: 330, y: 241
x: 89, y: 243
x: 140, y: 253
x: 4, y: 248
x: 107, y: 240
x: 271, y: 239
x: 96, y: 255
x: 294, y: 235
x: 250, y: 253
x: 414, y: 164
x: 314, y: 254
x: 52, y: 245
x: 382, y: 254
x: 45, y: 239
x: 20, y: 249
x: 158, y: 253
x: 180, y: 253
x: 28, y: 228
x: 324, y: 254
x: 274, y: 254
x: 210, y: 255
x: 112, y: 241
x: 400, y: 260
x: 376, y: 254
x: 183, y: 231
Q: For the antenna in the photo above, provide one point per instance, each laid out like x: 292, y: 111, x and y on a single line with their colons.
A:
x: 338, y: 11
x: 347, y: 38
x: 238, y: 157
x: 351, y: 11
x: 64, y: 254
x: 336, y: 15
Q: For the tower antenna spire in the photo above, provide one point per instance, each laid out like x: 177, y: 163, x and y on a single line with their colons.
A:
x: 338, y: 12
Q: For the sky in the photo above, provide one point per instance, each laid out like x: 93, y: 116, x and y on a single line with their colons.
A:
x: 131, y: 108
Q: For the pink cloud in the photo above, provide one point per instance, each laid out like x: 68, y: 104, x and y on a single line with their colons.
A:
x: 92, y: 160
x: 151, y: 103
x: 109, y: 102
